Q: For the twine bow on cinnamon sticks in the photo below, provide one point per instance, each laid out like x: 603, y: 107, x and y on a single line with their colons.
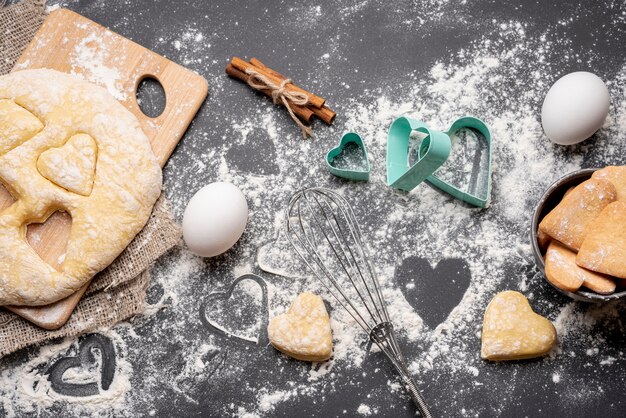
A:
x: 300, y: 104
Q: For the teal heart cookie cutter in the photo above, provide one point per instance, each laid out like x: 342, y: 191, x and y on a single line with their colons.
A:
x: 358, y: 175
x: 433, y: 152
x: 472, y: 199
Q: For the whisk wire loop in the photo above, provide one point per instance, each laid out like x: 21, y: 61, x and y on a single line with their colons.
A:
x: 322, y: 228
x: 306, y: 242
x: 345, y: 256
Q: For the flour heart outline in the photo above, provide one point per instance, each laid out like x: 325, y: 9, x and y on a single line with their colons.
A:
x: 225, y: 296
x: 71, y: 166
x: 85, y: 357
x: 473, y: 198
x: 434, y: 151
x: 350, y: 174
x: 433, y: 292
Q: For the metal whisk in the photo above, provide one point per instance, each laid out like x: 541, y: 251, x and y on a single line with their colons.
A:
x: 323, y: 230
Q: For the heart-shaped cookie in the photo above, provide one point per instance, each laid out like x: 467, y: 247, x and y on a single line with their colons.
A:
x: 349, y: 159
x: 237, y: 320
x: 512, y: 331
x: 303, y: 332
x: 85, y: 359
x: 433, y: 152
x: 466, y: 175
x: 72, y: 166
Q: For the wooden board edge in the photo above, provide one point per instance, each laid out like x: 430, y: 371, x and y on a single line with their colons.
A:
x: 30, y: 313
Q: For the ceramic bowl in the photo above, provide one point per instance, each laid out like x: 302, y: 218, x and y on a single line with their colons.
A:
x: 548, y: 201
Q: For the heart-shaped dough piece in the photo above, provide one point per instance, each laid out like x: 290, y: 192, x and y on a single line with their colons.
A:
x: 71, y: 166
x: 512, y: 331
x: 303, y: 332
x: 16, y: 124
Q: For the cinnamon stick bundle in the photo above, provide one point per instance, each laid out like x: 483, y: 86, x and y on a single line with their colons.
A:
x: 315, y: 105
x: 323, y: 113
x: 303, y: 112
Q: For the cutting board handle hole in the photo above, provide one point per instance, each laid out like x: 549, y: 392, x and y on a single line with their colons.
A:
x: 150, y: 96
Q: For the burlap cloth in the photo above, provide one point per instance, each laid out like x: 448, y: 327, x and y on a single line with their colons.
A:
x: 118, y: 292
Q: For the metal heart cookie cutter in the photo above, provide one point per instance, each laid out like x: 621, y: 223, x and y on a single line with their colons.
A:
x: 353, y: 165
x: 436, y: 158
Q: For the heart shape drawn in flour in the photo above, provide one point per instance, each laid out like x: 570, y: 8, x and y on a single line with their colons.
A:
x: 303, y: 332
x: 433, y: 292
x: 222, y: 313
x: 466, y: 174
x: 84, y: 362
x: 512, y: 331
x: 434, y: 149
x: 72, y: 166
x: 349, y: 159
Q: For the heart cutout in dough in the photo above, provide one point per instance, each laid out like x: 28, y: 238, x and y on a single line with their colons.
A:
x: 85, y: 359
x: 512, y: 331
x: 303, y: 332
x: 349, y: 159
x: 238, y: 317
x: 72, y: 166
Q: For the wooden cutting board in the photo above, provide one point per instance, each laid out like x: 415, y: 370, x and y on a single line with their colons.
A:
x: 71, y: 43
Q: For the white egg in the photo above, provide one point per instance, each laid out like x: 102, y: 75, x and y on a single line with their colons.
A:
x: 214, y: 219
x: 575, y: 108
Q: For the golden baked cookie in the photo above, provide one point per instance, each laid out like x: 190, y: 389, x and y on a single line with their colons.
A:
x: 604, y: 248
x: 303, y: 332
x: 617, y: 176
x: 568, y: 221
x: 563, y: 272
x: 512, y: 331
x: 68, y: 145
x: 543, y: 240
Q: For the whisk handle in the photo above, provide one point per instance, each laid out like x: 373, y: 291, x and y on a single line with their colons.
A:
x: 417, y: 397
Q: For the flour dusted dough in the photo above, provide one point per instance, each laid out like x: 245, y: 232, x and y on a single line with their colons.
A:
x: 512, y: 331
x: 304, y: 331
x: 68, y: 145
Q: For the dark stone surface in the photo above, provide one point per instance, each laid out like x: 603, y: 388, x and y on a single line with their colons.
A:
x: 367, y: 43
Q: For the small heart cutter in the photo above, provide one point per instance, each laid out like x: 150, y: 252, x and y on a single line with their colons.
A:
x: 433, y: 152
x: 358, y: 175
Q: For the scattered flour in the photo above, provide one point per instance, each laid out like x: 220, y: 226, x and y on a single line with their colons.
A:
x: 364, y: 410
x: 481, y: 79
x: 31, y: 392
x: 90, y: 59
